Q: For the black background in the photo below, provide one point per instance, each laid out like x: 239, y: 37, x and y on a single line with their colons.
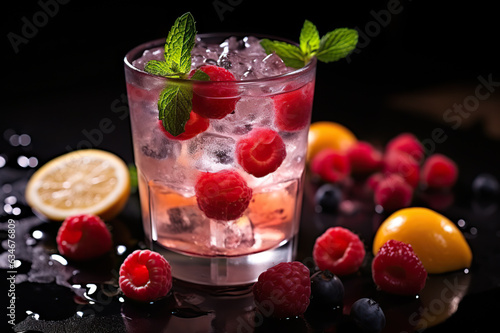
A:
x: 411, y: 67
x: 67, y: 74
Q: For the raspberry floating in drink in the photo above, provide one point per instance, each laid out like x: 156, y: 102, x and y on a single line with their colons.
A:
x: 260, y: 152
x: 222, y: 195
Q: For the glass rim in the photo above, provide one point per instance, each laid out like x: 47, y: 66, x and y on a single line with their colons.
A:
x: 134, y: 54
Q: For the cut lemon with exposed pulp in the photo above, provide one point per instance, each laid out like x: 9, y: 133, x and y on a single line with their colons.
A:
x: 88, y: 181
x: 436, y: 240
x: 327, y: 134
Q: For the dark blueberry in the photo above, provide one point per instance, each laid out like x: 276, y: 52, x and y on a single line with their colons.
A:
x: 367, y: 315
x: 485, y: 186
x: 327, y: 289
x: 328, y: 198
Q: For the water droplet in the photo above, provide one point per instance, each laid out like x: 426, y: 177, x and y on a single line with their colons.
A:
x: 60, y: 259
x: 461, y: 223
x: 37, y: 234
x: 120, y: 249
x: 23, y: 161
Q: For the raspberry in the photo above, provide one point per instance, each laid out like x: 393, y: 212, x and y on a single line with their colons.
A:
x: 223, y: 195
x: 283, y: 290
x: 194, y: 126
x: 339, y: 250
x: 145, y: 276
x: 364, y: 158
x: 215, y: 100
x: 439, y: 171
x: 331, y: 165
x: 260, y: 152
x: 82, y: 237
x: 373, y: 181
x: 292, y: 110
x: 393, y: 193
x: 403, y: 164
x: 408, y: 143
x: 396, y: 269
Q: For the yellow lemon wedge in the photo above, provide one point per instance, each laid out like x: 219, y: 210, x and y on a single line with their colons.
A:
x: 435, y: 239
x: 327, y: 134
x: 88, y: 181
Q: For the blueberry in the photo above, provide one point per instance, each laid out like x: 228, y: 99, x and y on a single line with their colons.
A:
x: 485, y: 186
x: 327, y: 289
x: 328, y: 198
x: 367, y: 315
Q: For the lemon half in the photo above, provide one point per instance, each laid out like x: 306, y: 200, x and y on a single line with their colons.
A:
x: 88, y: 181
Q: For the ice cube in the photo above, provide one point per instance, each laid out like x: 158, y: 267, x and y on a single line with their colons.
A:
x: 272, y: 65
x: 212, y: 152
x: 159, y: 147
x: 235, y: 234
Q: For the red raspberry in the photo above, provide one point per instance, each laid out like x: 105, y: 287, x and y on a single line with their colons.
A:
x: 364, y: 158
x: 408, y: 143
x: 373, y: 181
x: 331, y: 165
x: 283, y: 290
x: 145, y: 276
x: 194, y: 126
x: 82, y: 237
x: 223, y: 195
x: 393, y: 193
x: 439, y: 171
x: 396, y: 269
x: 403, y: 164
x: 260, y: 152
x: 215, y: 100
x: 292, y: 110
x: 339, y: 250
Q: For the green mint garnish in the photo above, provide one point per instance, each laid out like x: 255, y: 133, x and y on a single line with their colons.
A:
x: 333, y: 46
x: 175, y: 100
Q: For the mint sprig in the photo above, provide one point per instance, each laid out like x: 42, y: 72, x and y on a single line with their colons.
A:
x: 333, y: 46
x: 175, y: 100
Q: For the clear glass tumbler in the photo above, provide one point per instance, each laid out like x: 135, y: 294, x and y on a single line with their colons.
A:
x: 186, y: 219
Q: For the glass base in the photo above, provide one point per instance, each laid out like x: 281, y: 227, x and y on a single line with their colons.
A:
x: 226, y: 271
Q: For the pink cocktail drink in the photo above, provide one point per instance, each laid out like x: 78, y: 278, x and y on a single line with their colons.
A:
x: 222, y: 200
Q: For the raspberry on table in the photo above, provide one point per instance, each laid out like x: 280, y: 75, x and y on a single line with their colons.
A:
x: 222, y: 195
x: 145, y: 276
x: 215, y: 100
x: 408, y: 143
x: 393, y: 193
x: 439, y: 171
x: 331, y: 165
x: 260, y: 152
x: 404, y: 164
x: 292, y: 110
x: 364, y: 158
x: 283, y: 290
x: 194, y: 126
x: 83, y: 237
x: 396, y: 269
x: 339, y: 250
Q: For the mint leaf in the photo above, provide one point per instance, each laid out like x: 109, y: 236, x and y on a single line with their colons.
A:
x: 174, y: 107
x: 156, y: 67
x: 309, y: 38
x: 291, y: 55
x: 337, y: 44
x: 200, y: 76
x: 179, y: 43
